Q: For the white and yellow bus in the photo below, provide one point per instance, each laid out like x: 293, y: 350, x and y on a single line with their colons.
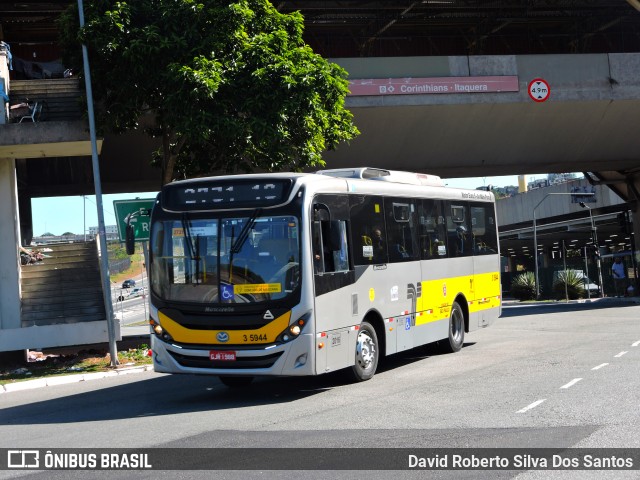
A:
x: 303, y: 274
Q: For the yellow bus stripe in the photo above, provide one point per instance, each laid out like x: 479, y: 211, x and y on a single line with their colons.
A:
x: 186, y: 335
x: 482, y: 292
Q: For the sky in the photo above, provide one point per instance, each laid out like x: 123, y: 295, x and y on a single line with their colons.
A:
x: 58, y: 215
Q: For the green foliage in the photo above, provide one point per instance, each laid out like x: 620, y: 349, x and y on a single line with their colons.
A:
x: 574, y: 285
x: 117, y: 251
x: 228, y: 85
x: 523, y: 287
x: 139, y: 355
x: 84, y: 361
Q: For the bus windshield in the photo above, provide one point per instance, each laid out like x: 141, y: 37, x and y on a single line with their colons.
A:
x: 225, y: 259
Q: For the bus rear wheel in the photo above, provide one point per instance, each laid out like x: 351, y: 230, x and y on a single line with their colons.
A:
x: 456, y: 330
x: 236, y: 382
x: 367, y: 353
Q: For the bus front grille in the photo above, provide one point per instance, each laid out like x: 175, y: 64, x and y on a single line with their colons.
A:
x: 191, y: 361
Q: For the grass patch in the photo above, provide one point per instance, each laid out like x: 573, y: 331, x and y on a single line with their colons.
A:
x: 86, y: 361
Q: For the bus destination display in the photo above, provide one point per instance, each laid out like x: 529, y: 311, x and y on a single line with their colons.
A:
x: 219, y: 194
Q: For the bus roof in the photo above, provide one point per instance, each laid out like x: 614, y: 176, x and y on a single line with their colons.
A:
x: 394, y: 176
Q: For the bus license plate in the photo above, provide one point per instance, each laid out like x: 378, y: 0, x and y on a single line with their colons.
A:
x: 222, y: 356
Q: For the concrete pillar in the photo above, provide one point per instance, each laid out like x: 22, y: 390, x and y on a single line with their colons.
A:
x: 635, y: 243
x: 9, y: 242
x: 4, y: 84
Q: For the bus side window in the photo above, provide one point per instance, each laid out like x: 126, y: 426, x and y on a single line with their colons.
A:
x: 401, y: 229
x: 433, y: 235
x: 338, y: 245
x: 459, y: 236
x: 484, y: 229
x: 368, y: 234
x: 330, y: 247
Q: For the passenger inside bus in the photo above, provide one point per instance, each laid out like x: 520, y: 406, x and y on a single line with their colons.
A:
x: 377, y: 242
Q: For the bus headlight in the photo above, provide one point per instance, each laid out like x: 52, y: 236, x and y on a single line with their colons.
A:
x: 160, y: 332
x: 295, y: 329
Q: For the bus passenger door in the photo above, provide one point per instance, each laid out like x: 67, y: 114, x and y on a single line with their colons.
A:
x: 333, y: 280
x: 403, y: 277
x: 486, y: 263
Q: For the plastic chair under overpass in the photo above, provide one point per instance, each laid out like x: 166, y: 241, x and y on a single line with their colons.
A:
x: 34, y: 113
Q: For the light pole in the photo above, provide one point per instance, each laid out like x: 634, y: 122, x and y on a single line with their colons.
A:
x: 535, y: 232
x: 84, y: 216
x: 594, y: 239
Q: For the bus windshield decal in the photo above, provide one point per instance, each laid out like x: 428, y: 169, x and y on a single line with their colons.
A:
x: 258, y: 288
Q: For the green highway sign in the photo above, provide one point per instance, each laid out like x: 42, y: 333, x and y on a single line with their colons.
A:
x: 140, y: 223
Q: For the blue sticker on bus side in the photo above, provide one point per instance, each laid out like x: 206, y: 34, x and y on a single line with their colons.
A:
x: 226, y: 292
x: 407, y: 323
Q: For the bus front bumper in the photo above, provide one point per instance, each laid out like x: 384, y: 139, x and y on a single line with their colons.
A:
x: 295, y: 358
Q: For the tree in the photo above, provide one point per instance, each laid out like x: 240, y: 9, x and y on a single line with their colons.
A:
x: 227, y: 85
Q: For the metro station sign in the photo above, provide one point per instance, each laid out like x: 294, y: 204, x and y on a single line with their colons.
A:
x: 435, y: 85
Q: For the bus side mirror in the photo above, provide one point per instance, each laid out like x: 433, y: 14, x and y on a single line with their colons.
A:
x: 130, y: 240
x: 321, y: 213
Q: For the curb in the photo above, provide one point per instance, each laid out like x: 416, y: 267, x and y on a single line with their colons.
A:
x: 64, y: 379
x: 619, y: 301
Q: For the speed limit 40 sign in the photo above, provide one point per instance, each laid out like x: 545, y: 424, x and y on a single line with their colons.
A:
x: 539, y: 90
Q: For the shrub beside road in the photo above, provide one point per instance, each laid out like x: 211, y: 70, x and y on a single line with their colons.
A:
x: 49, y: 363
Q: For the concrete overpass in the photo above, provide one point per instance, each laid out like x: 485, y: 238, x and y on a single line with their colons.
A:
x: 588, y: 122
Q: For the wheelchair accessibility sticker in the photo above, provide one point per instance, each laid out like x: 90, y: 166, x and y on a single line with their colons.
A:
x: 407, y: 323
x: 226, y: 292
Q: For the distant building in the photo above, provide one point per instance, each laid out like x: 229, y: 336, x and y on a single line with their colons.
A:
x: 543, y: 182
x: 555, y: 178
x: 110, y: 230
x: 552, y: 179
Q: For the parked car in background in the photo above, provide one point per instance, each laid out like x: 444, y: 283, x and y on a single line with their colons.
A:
x: 587, y: 283
x: 135, y: 292
x: 129, y: 283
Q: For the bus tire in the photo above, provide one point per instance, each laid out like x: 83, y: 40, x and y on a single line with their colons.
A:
x: 367, y: 353
x: 456, y: 330
x: 236, y: 382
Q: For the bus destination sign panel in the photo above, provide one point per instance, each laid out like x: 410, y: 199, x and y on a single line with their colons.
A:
x: 225, y: 194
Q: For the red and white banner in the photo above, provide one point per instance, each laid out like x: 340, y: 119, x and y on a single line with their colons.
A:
x: 426, y: 86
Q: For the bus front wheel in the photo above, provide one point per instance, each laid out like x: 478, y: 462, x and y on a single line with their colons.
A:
x: 367, y: 353
x: 456, y: 330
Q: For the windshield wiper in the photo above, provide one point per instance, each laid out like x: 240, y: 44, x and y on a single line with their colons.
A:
x: 236, y: 246
x: 244, y: 233
x: 193, y: 253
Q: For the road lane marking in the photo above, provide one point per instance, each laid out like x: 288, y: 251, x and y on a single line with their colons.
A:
x: 571, y: 383
x: 600, y: 366
x: 635, y: 344
x: 533, y: 405
x: 620, y: 354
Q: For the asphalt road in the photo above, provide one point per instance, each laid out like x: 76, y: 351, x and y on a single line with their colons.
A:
x: 554, y: 376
